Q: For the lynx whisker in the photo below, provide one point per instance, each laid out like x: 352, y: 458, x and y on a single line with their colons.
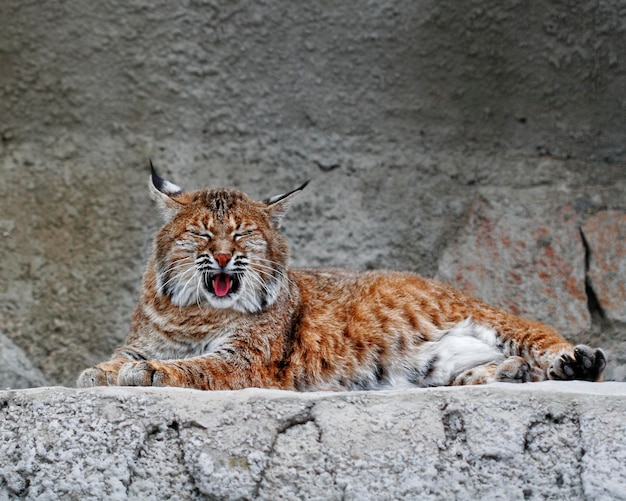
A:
x: 175, y: 266
x: 177, y: 277
x: 282, y: 280
x: 263, y: 268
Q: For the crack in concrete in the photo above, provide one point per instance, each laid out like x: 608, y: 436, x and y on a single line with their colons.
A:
x: 554, y: 435
x: 153, y: 432
x: 580, y: 470
x: 536, y: 445
x: 178, y: 427
x: 301, y: 418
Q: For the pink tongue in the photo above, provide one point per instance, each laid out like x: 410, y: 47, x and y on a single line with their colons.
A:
x: 221, y: 284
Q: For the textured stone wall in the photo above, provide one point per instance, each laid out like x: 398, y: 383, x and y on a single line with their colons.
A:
x: 540, y: 441
x: 477, y: 141
x: 540, y: 77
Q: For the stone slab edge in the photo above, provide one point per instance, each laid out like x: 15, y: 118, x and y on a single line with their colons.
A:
x: 517, y: 441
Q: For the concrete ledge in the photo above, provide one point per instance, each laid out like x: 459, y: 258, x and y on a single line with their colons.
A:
x: 558, y: 440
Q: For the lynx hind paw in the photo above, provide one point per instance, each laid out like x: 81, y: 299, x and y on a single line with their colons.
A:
x: 513, y: 370
x: 94, y: 376
x: 587, y: 364
x: 142, y: 374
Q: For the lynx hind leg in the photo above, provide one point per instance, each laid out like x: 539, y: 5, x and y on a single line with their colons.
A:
x: 587, y: 364
x: 457, y: 351
x: 511, y: 370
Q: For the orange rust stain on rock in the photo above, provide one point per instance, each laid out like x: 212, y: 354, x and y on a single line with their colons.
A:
x: 575, y: 288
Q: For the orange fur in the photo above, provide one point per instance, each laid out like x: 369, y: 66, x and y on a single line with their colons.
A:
x: 221, y: 309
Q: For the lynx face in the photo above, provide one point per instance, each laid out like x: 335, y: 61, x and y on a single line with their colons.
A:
x: 220, y: 248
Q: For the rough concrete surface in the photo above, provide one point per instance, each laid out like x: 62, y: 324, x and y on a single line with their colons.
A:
x: 480, y: 141
x: 541, y: 76
x: 535, y: 441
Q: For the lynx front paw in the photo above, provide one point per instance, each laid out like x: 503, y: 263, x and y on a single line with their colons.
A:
x: 144, y: 374
x: 95, y: 377
x: 586, y: 364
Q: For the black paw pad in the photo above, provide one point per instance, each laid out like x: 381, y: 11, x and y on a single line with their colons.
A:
x: 587, y: 364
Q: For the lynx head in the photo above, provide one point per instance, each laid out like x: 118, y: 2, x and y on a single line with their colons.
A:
x: 220, y: 248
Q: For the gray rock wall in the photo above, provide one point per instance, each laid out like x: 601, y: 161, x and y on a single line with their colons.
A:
x: 472, y: 141
x: 543, y: 77
x: 540, y: 441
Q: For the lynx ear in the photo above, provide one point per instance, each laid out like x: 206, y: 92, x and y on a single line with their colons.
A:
x: 278, y: 205
x: 165, y: 193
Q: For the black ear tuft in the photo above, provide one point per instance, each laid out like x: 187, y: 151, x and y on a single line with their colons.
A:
x: 156, y: 180
x: 163, y: 185
x: 278, y: 198
x: 277, y: 206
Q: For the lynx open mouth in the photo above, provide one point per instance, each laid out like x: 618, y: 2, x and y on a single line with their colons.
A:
x: 221, y: 284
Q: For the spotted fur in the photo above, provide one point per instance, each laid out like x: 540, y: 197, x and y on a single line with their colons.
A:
x: 221, y: 309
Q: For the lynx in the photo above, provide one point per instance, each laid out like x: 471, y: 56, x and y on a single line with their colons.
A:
x: 220, y: 308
